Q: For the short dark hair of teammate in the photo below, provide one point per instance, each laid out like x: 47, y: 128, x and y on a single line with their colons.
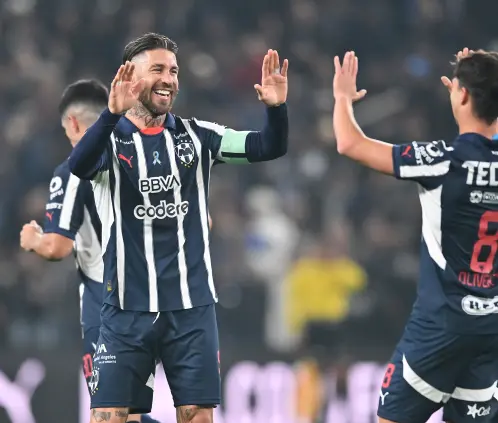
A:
x: 477, y: 73
x: 149, y: 41
x: 81, y: 104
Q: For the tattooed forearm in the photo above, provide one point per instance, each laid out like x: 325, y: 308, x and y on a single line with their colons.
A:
x: 101, y: 416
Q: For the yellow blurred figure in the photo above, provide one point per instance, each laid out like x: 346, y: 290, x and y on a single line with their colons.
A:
x: 320, y: 287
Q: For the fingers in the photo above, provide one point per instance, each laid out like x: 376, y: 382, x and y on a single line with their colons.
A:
x: 125, y: 73
x: 129, y: 71
x: 259, y: 90
x: 276, y: 62
x: 352, y: 57
x: 349, y: 64
x: 118, y: 77
x: 271, y: 64
x: 447, y: 82
x: 285, y: 68
x: 337, y: 65
x: 265, y: 70
x: 355, y: 66
x: 464, y: 53
x: 359, y: 95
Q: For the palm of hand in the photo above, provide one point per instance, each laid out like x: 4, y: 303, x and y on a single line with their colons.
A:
x: 273, y: 88
x: 125, y: 91
x: 345, y: 78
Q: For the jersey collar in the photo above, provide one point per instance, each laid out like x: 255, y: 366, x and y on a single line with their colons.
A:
x: 128, y: 127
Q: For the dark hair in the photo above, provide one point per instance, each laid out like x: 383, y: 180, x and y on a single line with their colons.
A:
x: 478, y: 73
x: 87, y: 91
x: 149, y: 41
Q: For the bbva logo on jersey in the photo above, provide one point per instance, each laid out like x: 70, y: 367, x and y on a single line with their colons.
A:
x: 185, y: 151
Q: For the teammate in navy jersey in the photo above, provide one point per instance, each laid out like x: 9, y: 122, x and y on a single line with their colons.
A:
x: 71, y: 219
x: 448, y: 354
x: 150, y: 170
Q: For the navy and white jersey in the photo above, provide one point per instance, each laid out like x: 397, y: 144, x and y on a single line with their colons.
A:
x: 458, y: 189
x: 71, y: 212
x: 151, y: 193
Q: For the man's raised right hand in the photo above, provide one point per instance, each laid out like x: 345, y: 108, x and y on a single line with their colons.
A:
x: 125, y: 91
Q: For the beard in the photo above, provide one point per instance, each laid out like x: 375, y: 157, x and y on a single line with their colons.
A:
x: 155, y: 110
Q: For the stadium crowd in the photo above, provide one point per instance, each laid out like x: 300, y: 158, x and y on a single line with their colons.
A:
x: 310, y: 207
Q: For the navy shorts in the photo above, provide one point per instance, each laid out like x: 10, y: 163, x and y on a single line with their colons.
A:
x: 130, y: 343
x: 431, y: 368
x: 90, y: 306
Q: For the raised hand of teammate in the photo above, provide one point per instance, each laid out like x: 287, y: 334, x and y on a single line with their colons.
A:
x: 125, y: 91
x: 273, y: 88
x: 459, y: 56
x: 345, y: 78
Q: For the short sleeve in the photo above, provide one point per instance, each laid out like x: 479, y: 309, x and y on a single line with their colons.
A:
x: 65, y: 206
x: 424, y: 162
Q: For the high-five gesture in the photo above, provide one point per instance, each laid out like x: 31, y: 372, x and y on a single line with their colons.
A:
x: 345, y: 78
x: 124, y: 90
x: 273, y: 88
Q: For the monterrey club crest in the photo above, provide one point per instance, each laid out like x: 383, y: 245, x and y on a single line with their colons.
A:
x: 185, y: 151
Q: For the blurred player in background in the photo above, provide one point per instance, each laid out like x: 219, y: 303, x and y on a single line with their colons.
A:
x: 71, y: 218
x: 150, y: 170
x: 448, y: 354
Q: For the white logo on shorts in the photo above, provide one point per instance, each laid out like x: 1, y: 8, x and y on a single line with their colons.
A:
x: 479, y: 412
x: 383, y: 397
x: 93, y: 383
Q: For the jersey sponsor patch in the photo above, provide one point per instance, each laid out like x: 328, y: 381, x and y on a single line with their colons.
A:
x: 56, y: 187
x: 427, y: 154
x: 157, y: 184
x: 52, y: 206
x: 476, y: 306
x: 162, y: 211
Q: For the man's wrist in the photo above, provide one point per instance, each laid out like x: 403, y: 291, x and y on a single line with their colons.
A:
x: 38, y: 238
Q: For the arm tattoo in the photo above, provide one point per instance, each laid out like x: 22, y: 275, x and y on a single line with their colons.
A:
x: 101, y: 416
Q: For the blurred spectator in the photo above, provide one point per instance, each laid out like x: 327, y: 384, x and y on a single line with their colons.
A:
x: 321, y: 286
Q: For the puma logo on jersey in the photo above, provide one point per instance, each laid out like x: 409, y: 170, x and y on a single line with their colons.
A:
x: 406, y: 151
x: 126, y: 159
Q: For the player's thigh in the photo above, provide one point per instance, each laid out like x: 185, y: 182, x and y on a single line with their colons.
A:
x: 474, y: 395
x: 190, y: 356
x: 421, y: 375
x: 124, y: 361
